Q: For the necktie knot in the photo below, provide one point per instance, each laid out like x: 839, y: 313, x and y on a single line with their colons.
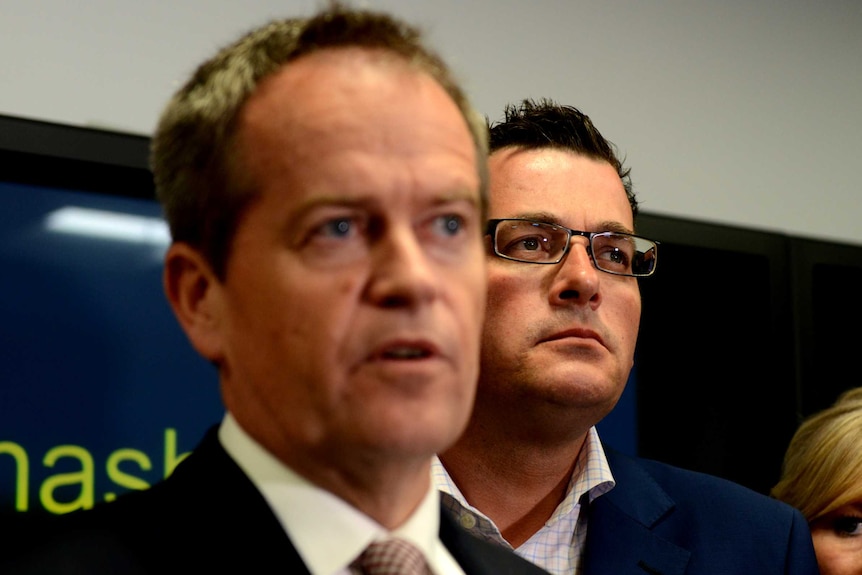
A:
x: 392, y: 557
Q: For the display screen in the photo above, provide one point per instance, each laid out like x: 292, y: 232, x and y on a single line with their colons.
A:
x: 100, y: 391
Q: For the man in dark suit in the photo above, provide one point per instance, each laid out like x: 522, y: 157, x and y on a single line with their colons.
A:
x: 324, y: 183
x: 563, y: 312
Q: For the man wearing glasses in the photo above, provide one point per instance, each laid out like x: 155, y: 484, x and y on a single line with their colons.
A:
x: 561, y: 325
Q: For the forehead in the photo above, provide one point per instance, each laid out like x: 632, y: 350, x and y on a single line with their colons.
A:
x: 345, y: 89
x: 580, y: 192
x: 345, y: 119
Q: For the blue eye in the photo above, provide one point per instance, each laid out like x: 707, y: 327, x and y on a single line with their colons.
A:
x: 450, y: 224
x: 337, y: 228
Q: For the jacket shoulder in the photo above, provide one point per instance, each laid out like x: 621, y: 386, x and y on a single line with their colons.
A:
x: 692, y: 522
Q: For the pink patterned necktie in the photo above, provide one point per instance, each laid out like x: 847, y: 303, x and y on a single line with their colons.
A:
x: 392, y: 557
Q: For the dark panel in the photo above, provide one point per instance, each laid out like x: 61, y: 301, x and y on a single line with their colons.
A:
x: 72, y: 158
x: 828, y: 277
x: 716, y: 386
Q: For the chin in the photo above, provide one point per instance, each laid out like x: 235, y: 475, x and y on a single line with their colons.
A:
x: 421, y: 434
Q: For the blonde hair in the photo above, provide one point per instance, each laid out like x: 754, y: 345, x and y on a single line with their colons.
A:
x: 822, y: 469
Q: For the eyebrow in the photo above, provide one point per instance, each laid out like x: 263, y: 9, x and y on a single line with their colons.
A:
x: 548, y: 218
x: 370, y: 202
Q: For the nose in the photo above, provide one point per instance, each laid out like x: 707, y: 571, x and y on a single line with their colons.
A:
x: 577, y: 279
x: 402, y: 273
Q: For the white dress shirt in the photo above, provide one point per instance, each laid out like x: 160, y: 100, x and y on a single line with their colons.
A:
x: 329, y: 533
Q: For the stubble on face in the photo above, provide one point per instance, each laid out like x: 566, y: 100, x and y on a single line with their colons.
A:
x: 527, y: 367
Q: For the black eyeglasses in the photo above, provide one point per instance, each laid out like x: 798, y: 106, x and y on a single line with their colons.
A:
x: 535, y: 242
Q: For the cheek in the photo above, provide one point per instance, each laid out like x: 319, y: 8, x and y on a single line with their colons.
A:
x: 513, y: 306
x: 635, y: 316
x: 289, y: 325
x: 830, y: 555
x: 629, y: 316
x: 507, y: 295
x: 478, y: 286
x: 468, y: 308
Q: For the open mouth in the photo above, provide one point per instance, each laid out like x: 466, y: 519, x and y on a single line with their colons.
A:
x: 405, y: 352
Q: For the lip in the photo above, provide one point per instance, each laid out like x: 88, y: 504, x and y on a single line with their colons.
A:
x: 405, y: 349
x: 574, y: 333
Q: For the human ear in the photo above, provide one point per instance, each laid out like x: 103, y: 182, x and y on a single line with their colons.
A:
x: 194, y: 293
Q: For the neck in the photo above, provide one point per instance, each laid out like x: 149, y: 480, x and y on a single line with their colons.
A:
x: 388, y: 492
x: 516, y: 479
x: 386, y: 485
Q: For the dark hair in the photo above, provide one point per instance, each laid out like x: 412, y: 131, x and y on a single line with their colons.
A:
x: 195, y: 164
x: 536, y: 124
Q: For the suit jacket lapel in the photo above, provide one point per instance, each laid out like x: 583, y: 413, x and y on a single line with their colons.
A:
x: 479, y: 557
x: 231, y: 514
x: 237, y: 503
x: 458, y: 543
x: 620, y: 539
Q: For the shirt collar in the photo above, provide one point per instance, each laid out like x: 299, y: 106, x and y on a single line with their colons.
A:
x: 328, y: 532
x: 591, y: 475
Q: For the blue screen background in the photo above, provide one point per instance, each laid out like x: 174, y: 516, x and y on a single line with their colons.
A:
x: 94, y: 365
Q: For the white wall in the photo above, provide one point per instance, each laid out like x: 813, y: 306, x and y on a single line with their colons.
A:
x: 732, y: 111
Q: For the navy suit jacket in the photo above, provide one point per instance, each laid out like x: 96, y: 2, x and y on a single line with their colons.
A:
x: 660, y: 519
x: 207, y: 517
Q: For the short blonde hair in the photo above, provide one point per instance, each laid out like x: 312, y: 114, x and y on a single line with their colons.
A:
x: 822, y: 469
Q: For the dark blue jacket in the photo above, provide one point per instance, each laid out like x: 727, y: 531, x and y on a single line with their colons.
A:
x: 207, y: 517
x: 660, y: 519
